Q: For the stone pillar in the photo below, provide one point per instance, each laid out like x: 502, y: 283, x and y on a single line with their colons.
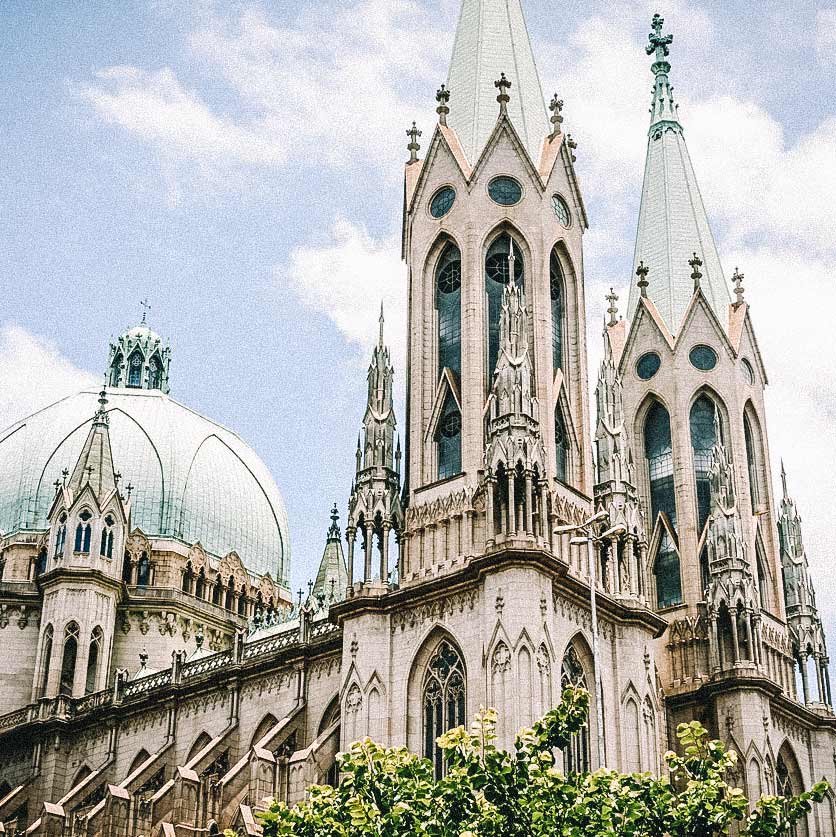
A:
x: 716, y: 651
x: 367, y: 569
x: 467, y: 533
x: 529, y: 499
x: 632, y: 568
x: 545, y: 529
x: 351, y: 536
x: 735, y: 638
x: 403, y: 556
x: 826, y: 664
x: 613, y: 567
x: 802, y: 662
x: 490, y: 534
x: 511, y: 508
x: 820, y: 678
x: 429, y: 545
x: 384, y: 554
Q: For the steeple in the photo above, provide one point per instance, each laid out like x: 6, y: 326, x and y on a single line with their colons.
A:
x: 95, y: 463
x: 492, y: 39
x: 673, y: 224
x: 332, y: 577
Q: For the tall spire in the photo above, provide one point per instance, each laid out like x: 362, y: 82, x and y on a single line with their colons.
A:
x: 492, y: 39
x: 673, y: 223
x: 95, y: 463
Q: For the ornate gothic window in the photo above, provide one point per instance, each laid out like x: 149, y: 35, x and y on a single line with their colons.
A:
x: 561, y: 445
x: 61, y: 536
x: 200, y: 585
x: 751, y: 463
x: 116, y: 371
x: 576, y: 753
x: 46, y: 658
x: 703, y: 439
x: 187, y: 579
x: 497, y: 275
x: 40, y: 566
x: 106, y: 548
x: 83, y: 532
x: 143, y: 571
x: 443, y: 700
x: 155, y: 373
x: 556, y: 286
x: 135, y: 370
x: 93, y: 659
x: 448, y: 302
x: 448, y: 439
x: 68, y: 659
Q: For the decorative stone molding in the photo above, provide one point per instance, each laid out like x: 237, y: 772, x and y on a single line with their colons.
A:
x: 435, y: 610
x: 581, y: 616
x: 501, y: 660
x: 457, y: 503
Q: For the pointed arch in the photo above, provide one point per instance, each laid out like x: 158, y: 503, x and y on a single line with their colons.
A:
x: 139, y: 759
x: 330, y: 716
x: 705, y: 406
x: 789, y: 781
x: 69, y: 654
x: 135, y: 368
x: 200, y: 743
x: 80, y: 775
x: 116, y: 370
x: 576, y: 754
x: 155, y: 372
x: 557, y: 295
x: 631, y: 730
x: 94, y: 660
x: 264, y: 726
x: 756, y: 462
x: 46, y: 659
x: 447, y: 284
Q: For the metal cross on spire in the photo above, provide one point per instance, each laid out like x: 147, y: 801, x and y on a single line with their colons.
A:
x: 612, y: 298
x: 695, y: 263
x: 442, y: 96
x: 556, y: 107
x: 503, y: 86
x: 146, y: 306
x: 659, y: 43
x: 739, y: 290
x: 413, y: 133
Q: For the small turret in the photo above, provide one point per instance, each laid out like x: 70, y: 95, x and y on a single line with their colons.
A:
x: 139, y: 359
x: 332, y: 577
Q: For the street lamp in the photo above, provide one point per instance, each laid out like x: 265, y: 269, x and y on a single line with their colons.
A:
x: 592, y: 538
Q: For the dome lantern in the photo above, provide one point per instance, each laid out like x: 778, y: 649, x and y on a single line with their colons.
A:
x: 139, y: 359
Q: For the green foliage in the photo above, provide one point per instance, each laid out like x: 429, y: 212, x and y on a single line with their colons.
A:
x: 488, y: 792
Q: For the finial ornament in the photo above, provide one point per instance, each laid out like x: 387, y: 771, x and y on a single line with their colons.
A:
x: 442, y: 96
x: 144, y: 304
x: 572, y: 146
x: 413, y: 133
x: 659, y: 43
x: 696, y: 263
x: 612, y: 298
x: 641, y: 271
x: 739, y: 290
x: 556, y: 107
x: 380, y: 323
x: 503, y: 86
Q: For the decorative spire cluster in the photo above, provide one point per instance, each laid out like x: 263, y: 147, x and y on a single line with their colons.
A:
x: 663, y: 107
x: 413, y: 133
x: 695, y: 263
x: 556, y: 108
x: 442, y: 96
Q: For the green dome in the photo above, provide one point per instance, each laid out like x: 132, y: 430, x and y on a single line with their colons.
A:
x: 192, y: 479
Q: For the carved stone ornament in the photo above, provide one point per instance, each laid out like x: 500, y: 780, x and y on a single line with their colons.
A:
x: 354, y: 699
x: 501, y: 659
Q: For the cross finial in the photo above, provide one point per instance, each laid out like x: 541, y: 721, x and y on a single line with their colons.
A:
x: 333, y: 583
x: 413, y: 133
x: 659, y: 43
x: 556, y: 107
x: 739, y: 290
x: 503, y: 86
x: 572, y: 146
x: 612, y: 298
x: 695, y: 263
x: 641, y: 271
x: 89, y: 470
x: 442, y: 96
x: 145, y: 305
x: 57, y: 485
x: 129, y: 489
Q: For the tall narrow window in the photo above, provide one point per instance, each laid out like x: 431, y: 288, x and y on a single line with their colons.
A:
x: 143, y: 571
x: 658, y: 448
x: 200, y: 584
x: 83, y: 532
x: 497, y: 275
x: 751, y: 463
x: 448, y: 302
x: 576, y: 753
x: 155, y: 373
x: 116, y: 371
x: 135, y: 370
x: 93, y: 659
x: 61, y: 536
x: 46, y: 659
x: 448, y: 439
x: 703, y: 439
x: 443, y: 701
x: 556, y: 285
x: 106, y: 547
x: 561, y: 445
x: 40, y: 567
x: 68, y: 659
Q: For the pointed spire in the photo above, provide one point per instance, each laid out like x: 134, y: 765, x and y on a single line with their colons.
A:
x: 663, y: 108
x: 380, y: 323
x: 492, y: 37
x: 413, y: 133
x: 332, y: 576
x: 612, y: 298
x: 784, y: 481
x: 739, y: 290
x: 442, y: 96
x: 556, y: 107
x: 95, y: 462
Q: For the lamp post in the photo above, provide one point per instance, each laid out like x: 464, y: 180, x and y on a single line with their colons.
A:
x: 592, y: 537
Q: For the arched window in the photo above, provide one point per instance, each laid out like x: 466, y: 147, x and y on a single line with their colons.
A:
x: 116, y: 371
x: 93, y: 658
x: 187, y: 579
x: 46, y: 659
x: 788, y: 781
x: 443, y: 700
x: 200, y: 584
x: 155, y: 373
x: 126, y: 569
x: 61, y: 536
x: 751, y: 463
x: 561, y: 445
x: 703, y: 439
x: 658, y: 449
x: 106, y: 548
x: 448, y: 439
x: 83, y: 532
x: 135, y: 370
x: 143, y: 571
x: 556, y: 286
x: 230, y: 594
x: 217, y: 589
x: 448, y: 302
x: 40, y: 566
x: 763, y: 582
x: 576, y: 753
x: 68, y: 659
x: 497, y: 275
x: 242, y: 603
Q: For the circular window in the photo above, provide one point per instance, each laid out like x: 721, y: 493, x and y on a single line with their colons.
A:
x: 497, y: 265
x: 450, y: 277
x: 505, y: 191
x: 748, y: 372
x: 451, y: 425
x: 561, y: 211
x: 442, y: 202
x: 648, y: 365
x: 703, y: 358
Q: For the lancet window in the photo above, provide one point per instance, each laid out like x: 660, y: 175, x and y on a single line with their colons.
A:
x: 448, y: 303
x: 751, y: 463
x: 561, y: 445
x: 155, y: 373
x: 68, y: 659
x: 556, y: 289
x: 46, y: 658
x: 576, y: 752
x: 93, y: 660
x: 61, y: 536
x: 83, y: 532
x: 443, y: 700
x: 116, y: 371
x: 703, y: 439
x: 106, y: 548
x: 503, y: 256
x: 135, y: 370
x: 143, y: 571
x: 448, y: 439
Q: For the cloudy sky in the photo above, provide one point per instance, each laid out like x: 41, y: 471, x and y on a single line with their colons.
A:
x: 240, y: 164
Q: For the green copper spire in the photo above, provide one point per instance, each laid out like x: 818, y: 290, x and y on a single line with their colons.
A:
x: 663, y: 108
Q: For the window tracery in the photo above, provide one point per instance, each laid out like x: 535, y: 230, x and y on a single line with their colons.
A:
x: 501, y: 254
x: 576, y: 753
x: 443, y: 700
x: 448, y: 303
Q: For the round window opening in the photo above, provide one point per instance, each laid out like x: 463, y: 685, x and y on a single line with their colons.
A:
x: 561, y: 211
x: 505, y: 191
x: 748, y: 372
x: 703, y: 358
x: 451, y: 425
x: 648, y: 365
x: 450, y: 277
x: 442, y: 202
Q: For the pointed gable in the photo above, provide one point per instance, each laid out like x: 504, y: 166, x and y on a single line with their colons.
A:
x: 491, y: 39
x: 95, y: 463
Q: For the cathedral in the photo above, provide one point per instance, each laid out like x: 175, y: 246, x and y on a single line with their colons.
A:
x: 160, y: 679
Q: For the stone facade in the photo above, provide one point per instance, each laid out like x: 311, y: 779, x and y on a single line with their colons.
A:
x: 157, y: 684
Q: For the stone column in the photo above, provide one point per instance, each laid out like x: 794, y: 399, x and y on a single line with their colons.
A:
x: 467, y: 533
x: 819, y: 678
x: 802, y: 662
x: 384, y: 555
x: 367, y: 570
x: 490, y: 533
x: 545, y: 529
x: 350, y: 536
x: 403, y: 556
x: 529, y: 523
x: 511, y: 508
x: 735, y: 639
x: 716, y: 651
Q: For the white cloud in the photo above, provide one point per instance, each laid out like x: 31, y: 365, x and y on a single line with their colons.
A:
x: 33, y: 374
x: 347, y: 278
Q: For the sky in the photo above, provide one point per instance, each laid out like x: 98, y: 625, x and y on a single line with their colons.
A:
x: 240, y: 165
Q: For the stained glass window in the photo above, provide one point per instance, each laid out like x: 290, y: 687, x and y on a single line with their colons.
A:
x: 703, y: 439
x: 442, y: 202
x: 448, y: 438
x: 556, y: 286
x: 576, y: 753
x: 561, y: 211
x: 443, y: 701
x: 751, y: 463
x: 703, y: 358
x: 135, y: 370
x: 648, y: 365
x: 505, y: 191
x: 560, y: 445
x: 448, y: 302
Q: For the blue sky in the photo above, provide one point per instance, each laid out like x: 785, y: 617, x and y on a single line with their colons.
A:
x: 240, y: 164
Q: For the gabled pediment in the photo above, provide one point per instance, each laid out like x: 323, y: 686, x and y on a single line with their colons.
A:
x: 504, y: 134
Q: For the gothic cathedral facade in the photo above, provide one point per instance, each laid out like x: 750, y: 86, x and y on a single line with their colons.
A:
x: 515, y: 543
